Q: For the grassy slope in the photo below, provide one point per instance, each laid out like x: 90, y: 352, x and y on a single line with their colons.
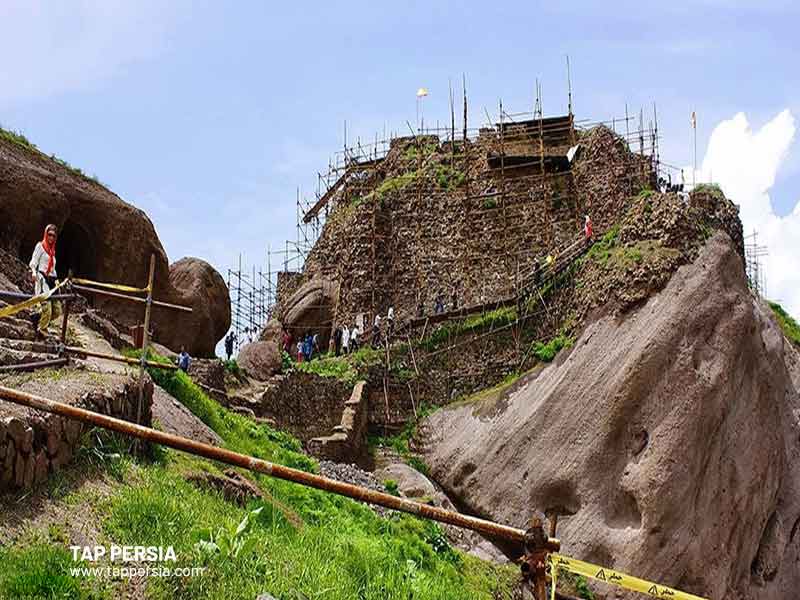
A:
x: 304, y: 543
x: 790, y: 327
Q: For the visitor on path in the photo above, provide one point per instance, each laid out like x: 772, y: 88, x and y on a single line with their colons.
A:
x: 390, y: 323
x: 315, y: 344
x: 184, y: 360
x: 229, y: 340
x: 43, y: 274
x: 300, y: 354
x: 587, y: 229
x: 345, y: 340
x: 376, y: 331
x: 337, y: 341
x: 438, y: 304
x: 308, y: 346
x: 355, y: 338
x: 286, y: 341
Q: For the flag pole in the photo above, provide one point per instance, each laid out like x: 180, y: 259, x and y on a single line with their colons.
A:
x: 694, y: 130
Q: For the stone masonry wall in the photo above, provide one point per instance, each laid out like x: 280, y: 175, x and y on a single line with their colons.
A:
x: 304, y: 404
x: 347, y: 442
x: 435, y: 236
x: 34, y: 444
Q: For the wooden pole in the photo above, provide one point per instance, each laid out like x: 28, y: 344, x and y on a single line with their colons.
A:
x: 65, y: 320
x: 145, y: 337
x: 82, y: 288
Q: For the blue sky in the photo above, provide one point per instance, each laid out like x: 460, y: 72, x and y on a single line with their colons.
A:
x: 208, y: 115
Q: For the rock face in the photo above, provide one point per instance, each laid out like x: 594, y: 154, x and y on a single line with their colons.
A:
x: 261, y: 360
x: 668, y: 438
x: 102, y: 237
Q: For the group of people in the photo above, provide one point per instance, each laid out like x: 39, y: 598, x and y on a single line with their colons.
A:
x: 346, y: 340
x: 305, y: 349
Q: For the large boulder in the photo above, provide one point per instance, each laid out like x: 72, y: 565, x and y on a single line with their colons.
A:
x: 261, y: 360
x: 668, y: 439
x: 310, y: 309
x: 104, y: 238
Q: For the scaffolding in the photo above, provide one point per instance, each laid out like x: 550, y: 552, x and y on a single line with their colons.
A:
x: 756, y: 274
x: 252, y: 295
x: 526, y: 150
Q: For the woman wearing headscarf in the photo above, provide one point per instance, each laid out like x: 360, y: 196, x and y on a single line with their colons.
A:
x: 43, y: 272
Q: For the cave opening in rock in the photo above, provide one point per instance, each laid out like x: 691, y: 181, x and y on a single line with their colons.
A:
x: 76, y: 251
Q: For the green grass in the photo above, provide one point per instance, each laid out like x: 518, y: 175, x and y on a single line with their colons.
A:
x: 709, y: 188
x: 232, y: 367
x: 302, y: 543
x: 790, y: 327
x: 546, y: 352
x: 348, y: 369
x: 400, y: 442
x: 448, y: 178
x: 16, y: 137
x: 39, y: 570
x: 494, y: 318
x: 602, y: 249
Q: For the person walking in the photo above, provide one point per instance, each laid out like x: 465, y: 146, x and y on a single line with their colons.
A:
x: 345, y: 340
x: 315, y: 344
x: 587, y: 229
x: 337, y: 341
x: 389, y: 324
x: 229, y: 340
x: 300, y: 354
x: 308, y: 346
x: 376, y: 331
x: 438, y: 306
x: 43, y: 274
x: 184, y: 360
x: 286, y: 340
x: 355, y: 338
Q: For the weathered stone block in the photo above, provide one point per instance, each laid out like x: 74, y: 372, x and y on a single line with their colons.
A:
x: 40, y: 466
x: 21, y: 434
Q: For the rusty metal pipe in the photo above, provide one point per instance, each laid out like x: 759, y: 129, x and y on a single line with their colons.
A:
x: 261, y: 466
x: 124, y: 359
x: 32, y: 366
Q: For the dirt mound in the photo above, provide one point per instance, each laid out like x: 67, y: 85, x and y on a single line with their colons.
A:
x: 668, y: 438
x: 102, y: 237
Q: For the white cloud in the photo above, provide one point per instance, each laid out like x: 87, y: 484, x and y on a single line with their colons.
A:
x: 745, y: 163
x: 54, y: 47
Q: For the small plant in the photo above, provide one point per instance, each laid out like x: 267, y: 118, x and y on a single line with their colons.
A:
x: 489, y: 203
x: 227, y: 544
x: 232, y: 367
x: 391, y: 487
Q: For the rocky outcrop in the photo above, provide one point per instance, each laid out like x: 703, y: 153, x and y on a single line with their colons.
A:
x: 104, y: 238
x: 260, y: 360
x: 668, y: 438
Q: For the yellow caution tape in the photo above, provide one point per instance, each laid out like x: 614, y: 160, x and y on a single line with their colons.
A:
x: 656, y: 590
x: 111, y: 286
x: 12, y: 310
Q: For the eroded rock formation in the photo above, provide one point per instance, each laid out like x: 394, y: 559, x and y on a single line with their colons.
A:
x: 668, y: 439
x: 104, y: 238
